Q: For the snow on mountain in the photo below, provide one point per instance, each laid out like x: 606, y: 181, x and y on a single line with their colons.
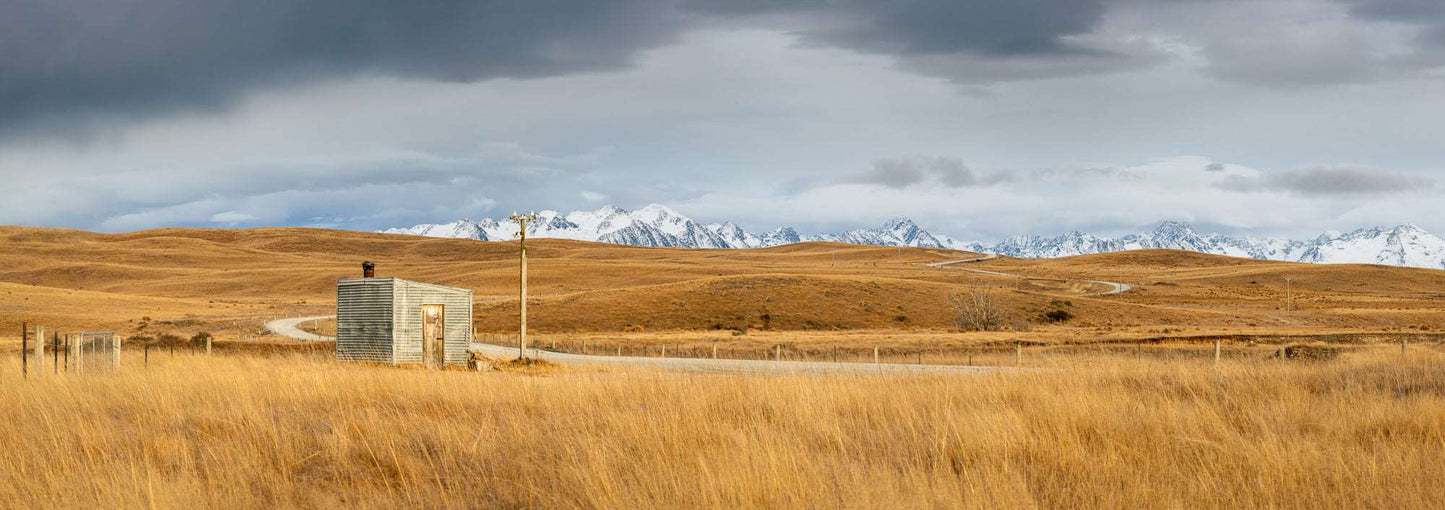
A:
x: 658, y: 225
x: 1405, y: 245
x: 462, y: 229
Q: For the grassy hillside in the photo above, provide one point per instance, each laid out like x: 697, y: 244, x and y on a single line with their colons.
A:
x: 229, y: 281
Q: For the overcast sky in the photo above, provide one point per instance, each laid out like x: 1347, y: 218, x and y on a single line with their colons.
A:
x: 979, y: 119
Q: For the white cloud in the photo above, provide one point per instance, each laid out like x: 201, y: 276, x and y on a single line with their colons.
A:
x: 592, y: 196
x: 231, y: 217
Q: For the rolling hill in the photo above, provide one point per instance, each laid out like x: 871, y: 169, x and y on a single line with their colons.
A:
x: 229, y: 281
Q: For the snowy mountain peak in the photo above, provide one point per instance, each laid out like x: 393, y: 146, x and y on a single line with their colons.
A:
x: 659, y: 225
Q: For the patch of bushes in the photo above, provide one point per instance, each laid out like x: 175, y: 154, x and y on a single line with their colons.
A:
x: 1058, y: 315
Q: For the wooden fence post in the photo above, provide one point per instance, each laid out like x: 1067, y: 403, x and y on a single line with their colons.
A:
x: 1019, y: 354
x: 55, y: 352
x: 208, y: 346
x: 664, y: 351
x: 1216, y: 351
x: 714, y: 350
x: 24, y: 350
x: 147, y: 355
x: 67, y: 352
x: 777, y: 353
x: 619, y: 351
x: 1402, y: 349
x: 39, y: 345
x: 875, y: 355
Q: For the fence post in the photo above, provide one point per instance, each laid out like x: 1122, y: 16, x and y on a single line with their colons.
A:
x: 619, y: 351
x: 24, y: 350
x: 875, y: 355
x: 208, y: 346
x: 584, y: 346
x: 777, y: 353
x: 147, y: 355
x: 1019, y: 354
x: 1402, y: 349
x: 115, y: 352
x: 714, y: 350
x: 39, y: 349
x: 664, y: 351
x: 55, y: 352
x: 1216, y: 351
x: 67, y: 352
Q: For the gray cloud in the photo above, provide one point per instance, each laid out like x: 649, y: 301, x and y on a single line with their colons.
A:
x: 68, y: 63
x: 964, y: 41
x: 1214, y: 167
x: 67, y: 60
x: 1329, y: 180
x: 902, y: 173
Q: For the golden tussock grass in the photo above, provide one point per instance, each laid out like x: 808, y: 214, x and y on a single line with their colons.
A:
x: 1364, y: 430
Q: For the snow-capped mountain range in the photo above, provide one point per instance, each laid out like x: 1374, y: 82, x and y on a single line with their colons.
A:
x: 658, y: 225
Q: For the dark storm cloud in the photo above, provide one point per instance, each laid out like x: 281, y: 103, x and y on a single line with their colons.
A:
x: 981, y: 41
x: 62, y: 59
x: 1329, y: 180
x: 1214, y: 167
x: 992, y: 27
x: 68, y: 61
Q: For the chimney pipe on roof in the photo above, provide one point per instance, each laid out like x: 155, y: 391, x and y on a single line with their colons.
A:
x: 368, y: 269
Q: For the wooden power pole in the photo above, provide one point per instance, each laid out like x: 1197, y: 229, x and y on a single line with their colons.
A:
x: 522, y: 220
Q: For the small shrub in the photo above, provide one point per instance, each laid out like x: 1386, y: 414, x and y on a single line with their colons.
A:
x: 977, y: 310
x: 200, y: 339
x: 1058, y: 316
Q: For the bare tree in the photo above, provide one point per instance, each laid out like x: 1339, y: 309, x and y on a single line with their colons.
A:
x: 977, y: 310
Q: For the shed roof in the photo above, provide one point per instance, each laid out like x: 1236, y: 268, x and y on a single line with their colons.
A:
x: 378, y: 281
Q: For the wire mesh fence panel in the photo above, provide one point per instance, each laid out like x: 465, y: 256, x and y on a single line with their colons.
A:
x: 94, y: 352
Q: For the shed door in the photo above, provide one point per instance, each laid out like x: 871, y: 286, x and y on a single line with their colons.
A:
x: 433, y: 335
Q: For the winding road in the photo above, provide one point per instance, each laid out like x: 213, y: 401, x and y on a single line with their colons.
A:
x: 288, y: 328
x: 1114, y: 287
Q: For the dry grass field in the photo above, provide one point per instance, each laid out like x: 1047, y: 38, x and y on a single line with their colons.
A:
x: 242, y: 431
x: 1119, y: 404
x: 228, y: 282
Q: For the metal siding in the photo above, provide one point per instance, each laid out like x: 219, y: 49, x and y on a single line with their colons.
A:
x: 409, y: 298
x: 364, y: 320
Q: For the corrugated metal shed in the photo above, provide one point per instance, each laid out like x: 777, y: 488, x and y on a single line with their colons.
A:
x: 380, y: 320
